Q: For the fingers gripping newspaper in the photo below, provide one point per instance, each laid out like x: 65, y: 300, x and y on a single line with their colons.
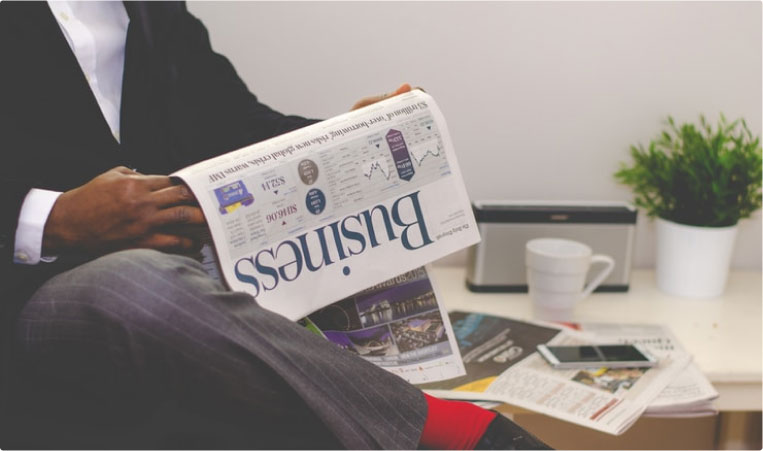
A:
x: 311, y: 217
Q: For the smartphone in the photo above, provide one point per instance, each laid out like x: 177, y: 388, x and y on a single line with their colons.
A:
x: 596, y: 356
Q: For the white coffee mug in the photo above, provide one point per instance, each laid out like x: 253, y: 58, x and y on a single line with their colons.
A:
x: 556, y: 275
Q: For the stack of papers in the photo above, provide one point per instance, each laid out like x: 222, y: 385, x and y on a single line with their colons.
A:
x: 502, y: 365
x: 689, y: 395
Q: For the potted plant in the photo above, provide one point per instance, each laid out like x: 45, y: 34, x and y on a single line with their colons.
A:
x: 698, y: 182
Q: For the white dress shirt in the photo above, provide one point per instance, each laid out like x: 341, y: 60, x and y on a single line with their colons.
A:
x: 96, y: 33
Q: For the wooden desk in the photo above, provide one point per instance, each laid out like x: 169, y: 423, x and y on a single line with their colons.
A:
x: 723, y: 334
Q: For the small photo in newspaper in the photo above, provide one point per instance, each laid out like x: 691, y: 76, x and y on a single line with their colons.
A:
x: 612, y: 380
x: 397, y: 325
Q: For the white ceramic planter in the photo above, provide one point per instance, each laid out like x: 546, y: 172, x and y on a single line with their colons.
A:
x: 693, y: 261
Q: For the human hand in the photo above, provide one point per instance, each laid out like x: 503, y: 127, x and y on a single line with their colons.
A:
x: 122, y: 209
x: 405, y: 87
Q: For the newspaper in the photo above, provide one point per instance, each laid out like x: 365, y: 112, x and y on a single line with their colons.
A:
x: 310, y: 217
x: 690, y: 394
x: 489, y: 346
x: 608, y: 400
x: 398, y: 325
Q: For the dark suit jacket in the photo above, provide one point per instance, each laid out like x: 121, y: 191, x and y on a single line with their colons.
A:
x: 181, y: 103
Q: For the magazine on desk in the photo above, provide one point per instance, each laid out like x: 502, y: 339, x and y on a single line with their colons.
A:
x: 502, y: 365
x: 317, y: 215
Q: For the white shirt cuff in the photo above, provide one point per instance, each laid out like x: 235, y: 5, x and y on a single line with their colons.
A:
x: 34, y: 213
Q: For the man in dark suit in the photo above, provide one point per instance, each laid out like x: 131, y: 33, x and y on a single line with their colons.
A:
x: 107, y: 331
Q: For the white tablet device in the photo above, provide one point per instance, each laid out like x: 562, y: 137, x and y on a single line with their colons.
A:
x: 595, y: 356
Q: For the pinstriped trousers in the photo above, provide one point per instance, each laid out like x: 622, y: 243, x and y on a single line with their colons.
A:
x: 129, y: 331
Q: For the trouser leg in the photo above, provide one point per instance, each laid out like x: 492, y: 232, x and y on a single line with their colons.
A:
x: 140, y: 325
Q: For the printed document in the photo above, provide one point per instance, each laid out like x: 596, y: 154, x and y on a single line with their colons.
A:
x: 311, y: 217
x: 398, y: 325
x: 502, y: 365
x: 690, y: 394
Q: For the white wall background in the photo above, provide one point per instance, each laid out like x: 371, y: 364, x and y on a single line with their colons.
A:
x: 542, y: 99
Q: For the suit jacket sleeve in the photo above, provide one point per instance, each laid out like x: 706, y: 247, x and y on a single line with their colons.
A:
x: 228, y: 116
x: 52, y: 135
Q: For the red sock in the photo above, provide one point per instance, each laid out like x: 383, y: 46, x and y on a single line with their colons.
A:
x: 454, y: 424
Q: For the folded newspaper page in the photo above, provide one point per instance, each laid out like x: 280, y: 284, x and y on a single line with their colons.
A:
x: 689, y: 395
x: 310, y: 217
x: 605, y: 399
x: 489, y: 346
x: 398, y: 325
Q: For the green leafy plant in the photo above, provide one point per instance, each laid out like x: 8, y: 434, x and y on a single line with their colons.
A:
x: 697, y: 175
